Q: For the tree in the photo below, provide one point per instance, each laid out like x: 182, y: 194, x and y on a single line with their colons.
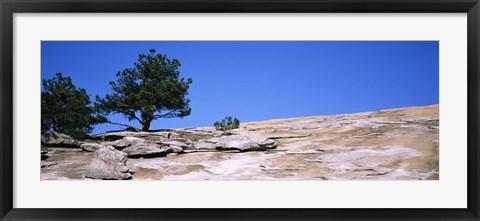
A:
x: 67, y: 109
x: 227, y: 124
x: 152, y: 89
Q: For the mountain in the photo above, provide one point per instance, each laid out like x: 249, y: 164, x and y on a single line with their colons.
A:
x: 394, y: 144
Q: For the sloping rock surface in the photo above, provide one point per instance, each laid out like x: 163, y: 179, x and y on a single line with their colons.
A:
x: 50, y: 138
x: 237, y: 139
x: 395, y: 144
x: 92, y: 147
x: 137, y: 147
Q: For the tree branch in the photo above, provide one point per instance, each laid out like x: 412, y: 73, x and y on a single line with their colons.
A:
x: 163, y: 115
x: 135, y: 116
x: 120, y: 124
x: 131, y: 114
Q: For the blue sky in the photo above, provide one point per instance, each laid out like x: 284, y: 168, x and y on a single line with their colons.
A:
x: 261, y: 80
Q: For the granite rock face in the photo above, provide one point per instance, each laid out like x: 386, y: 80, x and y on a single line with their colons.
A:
x: 139, y: 147
x: 91, y: 147
x: 145, y: 150
x: 237, y: 139
x: 108, y: 164
x: 56, y: 139
x: 395, y: 144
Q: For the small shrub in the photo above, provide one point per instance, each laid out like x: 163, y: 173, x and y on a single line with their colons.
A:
x: 227, y: 124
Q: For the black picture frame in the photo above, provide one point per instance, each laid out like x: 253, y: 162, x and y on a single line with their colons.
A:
x: 9, y: 7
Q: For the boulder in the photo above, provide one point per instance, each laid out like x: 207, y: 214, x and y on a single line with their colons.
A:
x: 108, y: 164
x: 55, y: 139
x: 126, y: 142
x: 91, y: 147
x: 117, y: 135
x: 146, y: 151
x: 237, y: 139
x: 244, y: 140
x: 120, y: 144
x: 137, y: 147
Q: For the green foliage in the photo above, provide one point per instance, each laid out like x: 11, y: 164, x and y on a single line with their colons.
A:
x: 150, y: 90
x: 227, y: 124
x: 66, y: 109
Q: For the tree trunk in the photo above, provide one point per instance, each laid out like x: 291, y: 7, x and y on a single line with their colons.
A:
x: 146, y: 126
x: 146, y: 121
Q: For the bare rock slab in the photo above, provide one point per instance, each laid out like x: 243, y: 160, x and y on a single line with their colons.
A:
x: 237, y: 139
x: 55, y: 139
x: 108, y: 164
x: 137, y: 147
x: 91, y: 147
x: 145, y: 151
